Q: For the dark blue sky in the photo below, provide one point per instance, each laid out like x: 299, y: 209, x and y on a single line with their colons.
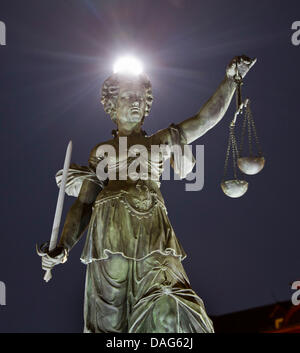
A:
x: 241, y: 253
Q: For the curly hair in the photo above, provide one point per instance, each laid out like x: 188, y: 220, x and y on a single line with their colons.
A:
x: 111, y: 87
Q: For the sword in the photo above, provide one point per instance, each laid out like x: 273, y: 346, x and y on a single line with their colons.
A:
x: 59, y: 208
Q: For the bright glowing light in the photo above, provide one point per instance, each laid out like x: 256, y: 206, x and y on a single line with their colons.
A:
x: 128, y: 65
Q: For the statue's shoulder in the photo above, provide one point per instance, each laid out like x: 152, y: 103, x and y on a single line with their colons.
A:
x: 161, y: 137
x: 96, y: 147
x: 93, y: 158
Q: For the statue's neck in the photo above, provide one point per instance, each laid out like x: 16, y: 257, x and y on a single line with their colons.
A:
x: 129, y: 129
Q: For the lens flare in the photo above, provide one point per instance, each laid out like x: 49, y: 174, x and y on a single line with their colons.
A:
x: 128, y: 65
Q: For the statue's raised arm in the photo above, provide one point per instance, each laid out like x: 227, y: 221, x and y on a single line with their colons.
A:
x: 215, y: 108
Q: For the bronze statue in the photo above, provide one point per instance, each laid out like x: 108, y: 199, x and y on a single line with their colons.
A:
x: 135, y: 281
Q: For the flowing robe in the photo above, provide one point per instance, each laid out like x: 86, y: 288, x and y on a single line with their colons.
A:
x: 135, y: 281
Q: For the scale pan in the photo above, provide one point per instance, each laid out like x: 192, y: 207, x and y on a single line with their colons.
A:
x: 234, y: 188
x: 251, y: 165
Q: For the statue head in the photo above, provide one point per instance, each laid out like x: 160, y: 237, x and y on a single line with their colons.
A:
x: 127, y: 97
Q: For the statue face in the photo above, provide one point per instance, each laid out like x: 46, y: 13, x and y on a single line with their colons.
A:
x: 131, y: 103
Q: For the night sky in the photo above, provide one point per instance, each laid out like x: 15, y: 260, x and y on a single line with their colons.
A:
x: 242, y: 253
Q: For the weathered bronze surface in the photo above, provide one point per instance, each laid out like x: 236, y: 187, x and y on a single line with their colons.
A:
x: 135, y: 281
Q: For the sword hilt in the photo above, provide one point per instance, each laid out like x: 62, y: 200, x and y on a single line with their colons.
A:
x: 47, y: 276
x: 43, y: 250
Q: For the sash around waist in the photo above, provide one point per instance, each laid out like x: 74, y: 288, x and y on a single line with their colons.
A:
x: 141, y: 189
x: 139, y: 198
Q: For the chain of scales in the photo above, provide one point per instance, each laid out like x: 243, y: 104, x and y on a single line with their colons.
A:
x: 250, y: 164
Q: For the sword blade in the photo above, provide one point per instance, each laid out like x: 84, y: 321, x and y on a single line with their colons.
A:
x: 60, y: 199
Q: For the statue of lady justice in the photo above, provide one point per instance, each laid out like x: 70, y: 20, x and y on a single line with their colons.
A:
x: 135, y: 281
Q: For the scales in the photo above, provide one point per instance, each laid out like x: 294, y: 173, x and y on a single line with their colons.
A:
x: 243, y: 164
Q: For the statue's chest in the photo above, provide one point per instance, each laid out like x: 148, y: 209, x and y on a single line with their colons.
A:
x: 139, y: 157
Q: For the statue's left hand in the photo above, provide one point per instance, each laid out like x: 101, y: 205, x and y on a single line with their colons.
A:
x: 239, y: 65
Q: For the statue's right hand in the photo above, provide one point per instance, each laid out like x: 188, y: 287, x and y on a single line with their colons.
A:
x: 50, y: 259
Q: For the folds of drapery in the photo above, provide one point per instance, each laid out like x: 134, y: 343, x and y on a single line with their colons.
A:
x: 113, y: 228
x: 148, y: 296
x: 181, y: 159
x: 76, y: 175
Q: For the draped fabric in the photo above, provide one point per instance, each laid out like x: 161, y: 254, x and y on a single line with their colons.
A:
x: 181, y: 159
x: 148, y: 296
x: 135, y: 281
x: 76, y: 175
x: 117, y: 227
